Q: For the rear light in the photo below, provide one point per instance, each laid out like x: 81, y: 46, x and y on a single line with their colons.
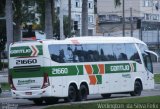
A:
x: 10, y: 80
x: 46, y: 82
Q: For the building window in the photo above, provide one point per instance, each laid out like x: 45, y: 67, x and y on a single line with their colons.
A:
x: 102, y: 18
x: 77, y: 18
x: 90, y: 5
x: 77, y: 4
x: 155, y: 17
x: 148, y: 3
x: 90, y: 19
x: 151, y: 17
x: 147, y: 16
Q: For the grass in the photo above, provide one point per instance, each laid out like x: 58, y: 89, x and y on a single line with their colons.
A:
x: 5, y: 86
x: 133, y: 103
x: 157, y: 78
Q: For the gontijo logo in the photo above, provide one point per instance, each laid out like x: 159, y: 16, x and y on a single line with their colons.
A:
x: 23, y: 51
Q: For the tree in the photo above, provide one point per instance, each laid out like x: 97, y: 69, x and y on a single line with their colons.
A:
x: 84, y: 17
x: 17, y: 18
x: 69, y: 17
x: 9, y: 22
x: 48, y: 20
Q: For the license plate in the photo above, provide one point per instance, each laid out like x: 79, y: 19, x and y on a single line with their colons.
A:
x: 28, y: 93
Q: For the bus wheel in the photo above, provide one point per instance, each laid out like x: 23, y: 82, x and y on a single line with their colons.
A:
x: 106, y: 95
x: 83, y: 92
x: 53, y: 100
x: 38, y: 101
x: 137, y: 89
x: 72, y: 94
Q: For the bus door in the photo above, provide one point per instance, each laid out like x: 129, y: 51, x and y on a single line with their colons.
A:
x: 149, y: 68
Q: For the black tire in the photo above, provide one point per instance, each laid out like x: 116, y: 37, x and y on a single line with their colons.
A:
x: 137, y: 89
x: 53, y: 100
x: 108, y: 95
x: 38, y: 101
x: 83, y: 93
x: 72, y: 94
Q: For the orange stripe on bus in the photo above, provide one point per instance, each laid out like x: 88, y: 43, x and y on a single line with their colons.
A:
x: 88, y: 69
x: 101, y: 68
x: 93, y: 79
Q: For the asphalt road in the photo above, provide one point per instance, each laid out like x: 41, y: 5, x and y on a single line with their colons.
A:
x: 26, y: 104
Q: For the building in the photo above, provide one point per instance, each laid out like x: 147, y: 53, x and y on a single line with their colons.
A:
x: 145, y: 13
x: 76, y: 14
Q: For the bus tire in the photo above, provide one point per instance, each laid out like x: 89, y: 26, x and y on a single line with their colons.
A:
x: 72, y: 94
x: 108, y: 95
x: 53, y: 100
x: 137, y: 89
x: 83, y: 92
x: 38, y: 101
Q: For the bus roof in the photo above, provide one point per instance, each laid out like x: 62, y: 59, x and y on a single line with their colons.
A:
x: 86, y: 40
x: 95, y: 39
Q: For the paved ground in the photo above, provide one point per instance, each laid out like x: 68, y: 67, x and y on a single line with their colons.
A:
x: 26, y: 104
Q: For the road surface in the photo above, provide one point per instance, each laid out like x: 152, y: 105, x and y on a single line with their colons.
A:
x: 26, y: 104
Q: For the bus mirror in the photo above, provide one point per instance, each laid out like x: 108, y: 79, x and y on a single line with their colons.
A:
x: 153, y: 53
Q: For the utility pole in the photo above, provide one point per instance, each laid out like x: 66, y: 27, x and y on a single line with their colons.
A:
x: 123, y: 20
x: 131, y: 21
x: 69, y: 16
x: 61, y: 20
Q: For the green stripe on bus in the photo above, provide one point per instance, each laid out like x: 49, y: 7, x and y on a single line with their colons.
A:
x: 72, y: 70
x: 99, y: 79
x: 95, y: 69
x: 120, y: 68
x: 25, y: 51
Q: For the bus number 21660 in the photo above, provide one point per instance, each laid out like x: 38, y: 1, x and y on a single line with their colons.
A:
x: 27, y: 61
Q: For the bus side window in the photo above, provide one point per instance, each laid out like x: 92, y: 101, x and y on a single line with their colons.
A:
x: 148, y: 62
x: 106, y: 52
x: 119, y: 51
x: 132, y: 53
x: 54, y: 52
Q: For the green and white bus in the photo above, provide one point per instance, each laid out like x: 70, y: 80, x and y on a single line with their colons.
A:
x: 73, y: 68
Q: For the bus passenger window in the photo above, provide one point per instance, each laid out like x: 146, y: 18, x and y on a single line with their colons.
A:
x: 119, y: 51
x: 54, y: 52
x: 132, y: 53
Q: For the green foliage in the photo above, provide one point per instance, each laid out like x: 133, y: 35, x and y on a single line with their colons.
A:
x: 56, y: 30
x: 22, y: 12
x: 41, y: 10
x: 125, y: 102
x: 5, y: 86
x: 157, y: 78
x: 2, y: 8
